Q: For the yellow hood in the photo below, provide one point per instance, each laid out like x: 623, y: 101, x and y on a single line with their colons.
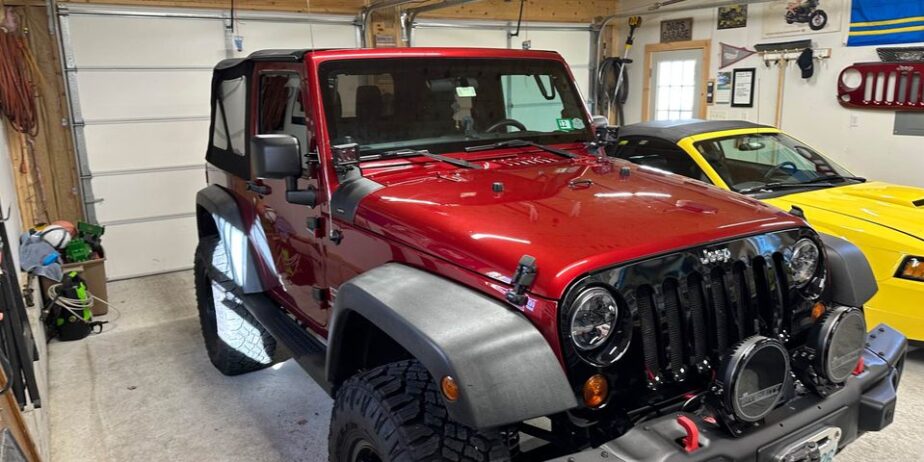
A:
x: 897, y: 207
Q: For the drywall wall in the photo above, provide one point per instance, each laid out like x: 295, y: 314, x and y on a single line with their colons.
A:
x: 861, y: 140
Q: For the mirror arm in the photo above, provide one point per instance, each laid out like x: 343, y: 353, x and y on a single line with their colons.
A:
x: 294, y: 195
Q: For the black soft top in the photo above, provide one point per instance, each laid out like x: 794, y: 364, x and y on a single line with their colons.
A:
x: 676, y: 130
x: 281, y: 55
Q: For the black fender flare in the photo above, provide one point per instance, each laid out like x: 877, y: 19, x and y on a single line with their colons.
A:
x: 851, y: 280
x: 220, y: 206
x: 505, y: 369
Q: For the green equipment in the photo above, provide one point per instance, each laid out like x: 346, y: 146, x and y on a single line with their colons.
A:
x: 70, y: 315
x: 88, y: 240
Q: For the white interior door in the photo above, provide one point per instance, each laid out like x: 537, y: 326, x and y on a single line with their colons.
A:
x: 139, y: 80
x: 676, y: 84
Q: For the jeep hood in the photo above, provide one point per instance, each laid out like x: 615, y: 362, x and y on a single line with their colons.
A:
x: 573, y: 216
x: 900, y: 208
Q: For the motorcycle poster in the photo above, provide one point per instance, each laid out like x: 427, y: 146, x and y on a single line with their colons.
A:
x: 784, y: 18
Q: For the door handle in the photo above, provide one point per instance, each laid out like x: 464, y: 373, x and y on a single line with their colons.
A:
x: 259, y: 188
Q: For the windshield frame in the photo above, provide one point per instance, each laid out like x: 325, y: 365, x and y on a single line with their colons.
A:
x: 836, y: 168
x: 443, y: 145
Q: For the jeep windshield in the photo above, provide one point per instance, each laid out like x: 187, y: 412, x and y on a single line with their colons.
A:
x: 447, y: 104
x: 753, y: 163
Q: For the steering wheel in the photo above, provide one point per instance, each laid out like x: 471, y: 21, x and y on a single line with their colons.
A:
x: 506, y: 123
x: 782, y: 167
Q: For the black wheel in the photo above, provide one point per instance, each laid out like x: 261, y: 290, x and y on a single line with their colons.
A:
x: 396, y: 413
x: 818, y: 20
x: 235, y: 341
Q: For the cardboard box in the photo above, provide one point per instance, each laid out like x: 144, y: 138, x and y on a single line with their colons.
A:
x: 93, y: 273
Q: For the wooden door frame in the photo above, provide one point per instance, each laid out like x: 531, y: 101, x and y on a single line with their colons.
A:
x: 651, y: 48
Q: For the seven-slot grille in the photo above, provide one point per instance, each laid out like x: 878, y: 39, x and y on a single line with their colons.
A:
x: 688, y: 322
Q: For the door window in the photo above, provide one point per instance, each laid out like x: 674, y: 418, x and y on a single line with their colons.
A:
x: 659, y: 154
x: 282, y: 110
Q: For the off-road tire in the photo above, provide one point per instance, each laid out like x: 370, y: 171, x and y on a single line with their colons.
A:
x: 396, y: 411
x: 236, y: 342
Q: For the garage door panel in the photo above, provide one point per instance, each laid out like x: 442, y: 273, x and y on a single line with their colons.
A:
x: 144, y: 195
x: 574, y: 46
x: 132, y: 146
x: 137, y: 249
x: 262, y: 35
x: 139, y: 41
x: 459, y: 37
x: 144, y: 94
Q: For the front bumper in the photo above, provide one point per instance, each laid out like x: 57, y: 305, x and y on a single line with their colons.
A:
x: 866, y: 403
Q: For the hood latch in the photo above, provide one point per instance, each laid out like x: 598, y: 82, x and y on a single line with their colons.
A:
x: 522, y: 280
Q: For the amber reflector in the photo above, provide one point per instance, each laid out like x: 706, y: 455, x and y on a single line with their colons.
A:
x: 450, y: 388
x: 818, y: 311
x: 595, y: 390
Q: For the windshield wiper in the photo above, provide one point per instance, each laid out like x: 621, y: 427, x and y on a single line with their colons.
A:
x: 772, y: 186
x: 520, y: 144
x: 425, y: 153
x: 824, y: 178
x: 819, y: 182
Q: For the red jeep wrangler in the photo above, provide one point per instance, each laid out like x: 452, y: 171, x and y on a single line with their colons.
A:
x: 436, y: 237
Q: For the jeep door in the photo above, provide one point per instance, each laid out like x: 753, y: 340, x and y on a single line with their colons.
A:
x: 292, y: 230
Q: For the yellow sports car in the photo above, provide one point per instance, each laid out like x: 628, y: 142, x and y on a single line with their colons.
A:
x: 886, y: 221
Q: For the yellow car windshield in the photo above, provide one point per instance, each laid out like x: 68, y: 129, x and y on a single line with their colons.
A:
x: 749, y: 162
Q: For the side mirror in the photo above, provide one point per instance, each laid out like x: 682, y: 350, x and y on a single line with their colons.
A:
x: 603, y: 132
x: 275, y: 156
x: 279, y: 157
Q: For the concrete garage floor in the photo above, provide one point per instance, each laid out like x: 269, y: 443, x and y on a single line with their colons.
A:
x: 144, y: 390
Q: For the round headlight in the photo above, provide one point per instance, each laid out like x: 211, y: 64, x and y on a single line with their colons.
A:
x: 593, y: 318
x: 805, y: 258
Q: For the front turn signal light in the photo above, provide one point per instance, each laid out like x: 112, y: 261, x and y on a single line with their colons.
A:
x: 912, y: 268
x: 450, y: 388
x: 595, y: 391
x: 818, y: 311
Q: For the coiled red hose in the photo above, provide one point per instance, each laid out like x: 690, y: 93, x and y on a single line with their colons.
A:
x: 17, y: 91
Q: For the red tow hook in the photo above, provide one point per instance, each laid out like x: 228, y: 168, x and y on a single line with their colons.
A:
x: 861, y: 366
x: 691, y: 441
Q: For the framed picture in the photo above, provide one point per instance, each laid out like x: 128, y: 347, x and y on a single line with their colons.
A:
x: 677, y: 30
x: 785, y: 18
x: 743, y: 87
x: 733, y: 17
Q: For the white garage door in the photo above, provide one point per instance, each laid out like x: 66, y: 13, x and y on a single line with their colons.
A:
x: 139, y: 84
x: 572, y: 41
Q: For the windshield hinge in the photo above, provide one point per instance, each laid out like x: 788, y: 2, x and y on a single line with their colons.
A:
x: 522, y: 280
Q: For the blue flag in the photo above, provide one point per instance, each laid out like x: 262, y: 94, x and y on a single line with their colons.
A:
x: 884, y: 22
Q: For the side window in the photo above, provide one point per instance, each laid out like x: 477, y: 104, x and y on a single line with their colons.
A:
x: 230, y: 115
x: 282, y: 110
x: 660, y: 154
